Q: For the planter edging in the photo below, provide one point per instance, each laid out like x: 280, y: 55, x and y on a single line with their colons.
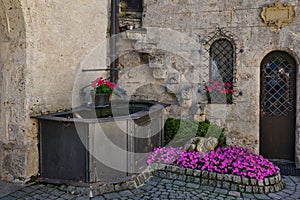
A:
x: 225, y: 181
x: 99, y: 189
x: 205, y: 178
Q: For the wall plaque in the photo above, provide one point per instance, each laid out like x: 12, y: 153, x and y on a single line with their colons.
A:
x: 278, y: 14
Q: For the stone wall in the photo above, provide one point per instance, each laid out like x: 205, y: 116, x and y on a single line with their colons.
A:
x: 45, y: 44
x: 177, y: 38
x: 42, y: 44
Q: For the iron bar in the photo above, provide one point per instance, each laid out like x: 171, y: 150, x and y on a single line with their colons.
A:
x: 95, y: 70
x: 114, y: 51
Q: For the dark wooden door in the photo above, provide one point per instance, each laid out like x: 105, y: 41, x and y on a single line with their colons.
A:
x: 277, y: 109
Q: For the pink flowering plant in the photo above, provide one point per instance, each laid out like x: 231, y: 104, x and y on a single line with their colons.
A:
x: 238, y: 161
x: 101, y: 86
x: 227, y: 160
x: 215, y: 89
x: 166, y: 155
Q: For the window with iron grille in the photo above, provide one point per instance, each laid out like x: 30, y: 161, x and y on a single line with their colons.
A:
x: 220, y: 87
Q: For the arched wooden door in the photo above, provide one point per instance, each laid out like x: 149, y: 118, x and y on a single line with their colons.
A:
x: 277, y: 108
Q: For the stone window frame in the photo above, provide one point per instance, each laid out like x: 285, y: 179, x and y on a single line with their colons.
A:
x: 219, y: 33
x: 226, y: 74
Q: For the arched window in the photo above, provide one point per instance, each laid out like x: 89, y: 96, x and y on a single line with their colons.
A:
x: 222, y: 59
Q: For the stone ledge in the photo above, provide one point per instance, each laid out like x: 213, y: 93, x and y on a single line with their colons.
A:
x: 225, y: 181
x: 135, y: 34
x: 103, y: 188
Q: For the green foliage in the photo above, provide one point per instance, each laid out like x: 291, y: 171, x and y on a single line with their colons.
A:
x: 203, y: 128
x: 178, y: 132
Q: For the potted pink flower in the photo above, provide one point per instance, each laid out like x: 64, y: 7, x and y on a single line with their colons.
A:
x: 219, y: 92
x: 101, y: 92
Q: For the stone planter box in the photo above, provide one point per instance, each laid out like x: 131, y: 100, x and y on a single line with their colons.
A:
x: 225, y: 181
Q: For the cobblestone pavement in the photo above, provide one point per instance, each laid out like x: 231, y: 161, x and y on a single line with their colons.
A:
x: 158, y: 188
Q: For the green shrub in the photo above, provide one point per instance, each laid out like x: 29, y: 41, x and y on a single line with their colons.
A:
x: 184, y: 130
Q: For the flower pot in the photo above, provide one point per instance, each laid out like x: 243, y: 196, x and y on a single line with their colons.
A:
x: 100, y: 99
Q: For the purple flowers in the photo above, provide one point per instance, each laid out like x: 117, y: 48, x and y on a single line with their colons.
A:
x: 166, y: 155
x: 239, y: 161
x: 227, y: 160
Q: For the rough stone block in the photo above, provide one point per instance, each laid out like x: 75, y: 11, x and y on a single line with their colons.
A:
x: 153, y: 166
x: 155, y: 173
x: 199, y: 118
x: 204, y: 181
x: 245, y: 181
x: 260, y: 183
x: 131, y: 185
x: 249, y: 189
x: 255, y: 189
x: 190, y: 179
x: 106, y: 188
x: 175, y: 169
x: 266, y: 181
x: 174, y: 176
x: 162, y: 174
x: 226, y: 185
x: 197, y: 180
x: 197, y: 173
x: 242, y: 188
x: 212, y: 175
x: 141, y: 179
x: 189, y: 172
x: 159, y: 73
x: 182, y: 177
x: 234, y: 187
x: 234, y: 193
x: 261, y: 190
x: 169, y: 175
x: 169, y: 168
x: 161, y: 166
x: 220, y: 177
x: 219, y: 184
x: 212, y: 183
x: 228, y: 177
x: 205, y: 174
x: 271, y: 189
x: 253, y: 181
x: 182, y: 171
x: 277, y: 179
x: 272, y: 180
x: 237, y: 179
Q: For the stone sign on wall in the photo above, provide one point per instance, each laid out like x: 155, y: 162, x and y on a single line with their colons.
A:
x: 278, y: 14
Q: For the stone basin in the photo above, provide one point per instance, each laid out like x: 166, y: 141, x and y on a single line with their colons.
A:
x: 99, y: 144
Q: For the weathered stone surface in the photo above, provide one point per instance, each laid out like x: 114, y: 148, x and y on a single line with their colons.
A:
x: 201, y: 144
x: 40, y: 45
x: 197, y: 173
x: 253, y: 181
x: 205, y: 174
x: 248, y: 189
x: 245, y: 181
x: 106, y: 188
x: 159, y: 73
x: 237, y: 179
